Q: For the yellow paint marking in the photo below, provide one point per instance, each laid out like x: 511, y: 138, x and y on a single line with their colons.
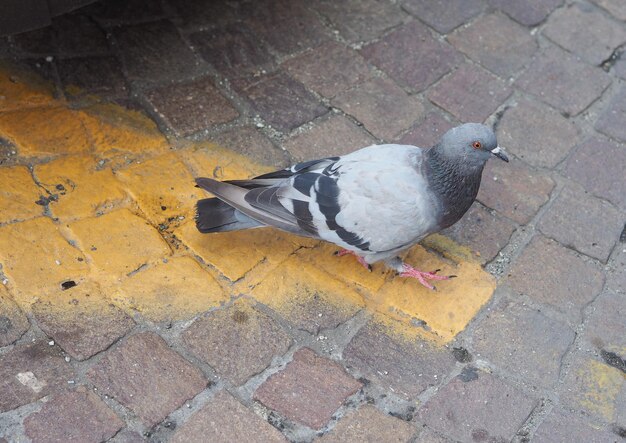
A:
x: 21, y: 89
x: 18, y: 194
x: 599, y: 386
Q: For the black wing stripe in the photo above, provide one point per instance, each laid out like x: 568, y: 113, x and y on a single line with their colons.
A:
x: 304, y: 216
x: 304, y: 182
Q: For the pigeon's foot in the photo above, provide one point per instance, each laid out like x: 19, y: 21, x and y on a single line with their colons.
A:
x: 361, y: 260
x: 410, y: 271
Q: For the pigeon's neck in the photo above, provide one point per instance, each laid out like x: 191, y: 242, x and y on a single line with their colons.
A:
x: 454, y: 184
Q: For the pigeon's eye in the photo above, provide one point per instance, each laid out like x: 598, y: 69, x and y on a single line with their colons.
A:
x: 477, y: 145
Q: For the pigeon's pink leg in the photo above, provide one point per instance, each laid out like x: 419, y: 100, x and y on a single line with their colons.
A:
x: 361, y: 260
x: 410, y: 271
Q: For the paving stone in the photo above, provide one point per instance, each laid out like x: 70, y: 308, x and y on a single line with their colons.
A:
x: 616, y: 278
x: 224, y: 420
x: 21, y: 87
x: 616, y: 7
x: 595, y: 388
x: 19, y: 192
x: 483, y: 232
x: 92, y: 74
x: 336, y: 135
x: 306, y: 297
x: 38, y: 41
x: 429, y: 61
x: 329, y: 69
x: 234, y: 50
x: 537, y: 134
x: 598, y: 165
x: 427, y: 132
x: 191, y: 107
x: 13, y: 322
x: 535, y: 346
x: 77, y: 34
x: 154, y: 52
x: 80, y: 187
x: 360, y: 20
x: 177, y: 289
x: 151, y: 384
x: 288, y: 26
x: 444, y: 16
x: 283, y: 102
x: 429, y: 436
x: 605, y: 329
x: 476, y: 406
x: 611, y: 119
x: 527, y: 12
x: 119, y: 242
x: 126, y: 436
x: 309, y: 390
x: 497, y: 43
x: 81, y: 319
x: 238, y: 342
x: 598, y: 41
x: 198, y: 14
x: 74, y: 416
x: 144, y: 182
x: 564, y: 427
x: 368, y: 424
x: 50, y: 258
x: 554, y: 74
x: 31, y: 371
x: 253, y: 144
x: 470, y: 93
x: 533, y: 274
x: 619, y: 66
x: 583, y: 222
x: 514, y: 190
x: 406, y: 367
x: 45, y: 131
x: 125, y: 11
x: 383, y: 107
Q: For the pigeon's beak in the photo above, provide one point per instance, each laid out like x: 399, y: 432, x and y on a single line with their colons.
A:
x: 499, y: 152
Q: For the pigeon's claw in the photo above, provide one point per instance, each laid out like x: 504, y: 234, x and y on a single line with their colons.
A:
x: 360, y: 259
x: 410, y: 271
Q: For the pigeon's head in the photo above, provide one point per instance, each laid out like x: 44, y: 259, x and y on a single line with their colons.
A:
x: 472, y: 144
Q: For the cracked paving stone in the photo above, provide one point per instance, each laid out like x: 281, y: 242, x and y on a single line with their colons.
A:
x: 533, y: 275
x: 606, y: 330
x: 444, y: 16
x: 583, y: 222
x: 586, y: 32
x: 151, y: 384
x: 470, y: 93
x: 75, y: 416
x: 81, y: 320
x: 564, y: 427
x: 476, y: 406
x: 329, y: 69
x: 514, y: 190
x: 497, y: 43
x: 309, y: 390
x: 191, y: 107
x: 406, y: 367
x: 13, y: 322
x: 238, y: 342
x: 32, y: 371
x: 535, y: 346
x: 19, y: 192
x: 598, y: 165
x: 431, y: 59
x: 537, y: 134
x: 225, y: 420
x: 368, y: 424
x: 611, y: 120
x: 527, y: 12
x: 555, y: 73
x: 383, y: 107
x: 360, y: 20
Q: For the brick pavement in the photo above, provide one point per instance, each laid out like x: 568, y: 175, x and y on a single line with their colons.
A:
x: 119, y: 322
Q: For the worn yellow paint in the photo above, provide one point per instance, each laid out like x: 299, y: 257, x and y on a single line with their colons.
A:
x: 178, y: 289
x: 119, y: 242
x: 18, y: 192
x: 82, y: 189
x: 115, y: 162
x: 162, y: 186
x: 37, y: 258
x: 599, y: 387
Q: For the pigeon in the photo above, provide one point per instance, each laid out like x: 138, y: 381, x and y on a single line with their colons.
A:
x: 374, y: 203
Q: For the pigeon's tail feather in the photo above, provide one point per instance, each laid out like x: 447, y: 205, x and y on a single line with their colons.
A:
x: 213, y: 215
